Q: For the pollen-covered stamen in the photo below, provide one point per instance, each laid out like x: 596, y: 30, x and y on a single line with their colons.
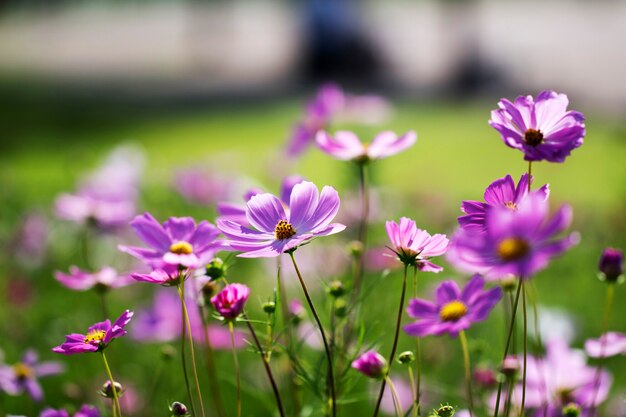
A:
x: 452, y: 311
x: 284, y: 230
x: 510, y: 205
x: 22, y: 371
x: 94, y: 337
x: 533, y: 137
x: 181, y: 248
x: 512, y: 249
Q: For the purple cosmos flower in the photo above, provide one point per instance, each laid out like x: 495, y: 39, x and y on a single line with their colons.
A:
x: 415, y: 246
x: 543, y: 129
x: 371, y: 364
x: 277, y: 230
x: 609, y: 344
x: 454, y: 310
x: 97, y: 338
x: 514, y: 242
x: 501, y: 193
x: 347, y: 146
x: 82, y: 280
x: 84, y: 411
x: 230, y: 301
x: 161, y: 322
x: 611, y: 264
x: 167, y: 276
x: 177, y: 242
x: 201, y: 187
x: 23, y: 376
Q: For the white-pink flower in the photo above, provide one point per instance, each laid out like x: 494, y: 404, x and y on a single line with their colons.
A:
x: 345, y: 145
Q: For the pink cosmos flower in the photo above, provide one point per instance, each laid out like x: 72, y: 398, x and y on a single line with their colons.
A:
x: 609, y: 344
x: 98, y: 336
x: 519, y: 242
x: 371, y: 364
x: 415, y: 246
x: 278, y: 230
x: 501, y: 193
x: 454, y: 310
x: 167, y: 276
x: 201, y: 187
x: 230, y: 302
x: 105, y: 278
x: 347, y: 146
x: 24, y: 375
x: 178, y: 242
x: 543, y: 129
x: 84, y: 411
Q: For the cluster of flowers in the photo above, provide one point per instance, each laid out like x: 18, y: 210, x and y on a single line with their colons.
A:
x: 503, y: 241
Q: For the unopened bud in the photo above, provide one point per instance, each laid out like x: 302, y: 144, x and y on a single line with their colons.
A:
x: 336, y: 288
x: 168, y: 353
x: 508, y: 283
x: 571, y: 410
x: 406, y: 358
x: 356, y: 248
x: 510, y: 366
x: 445, y: 411
x: 178, y: 409
x: 216, y: 269
x: 341, y: 308
x: 107, y: 389
x: 269, y: 307
x: 610, y: 266
x: 209, y: 290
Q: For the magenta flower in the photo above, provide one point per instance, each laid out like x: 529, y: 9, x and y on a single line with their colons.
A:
x: 347, y: 146
x: 415, y: 246
x: 454, y: 310
x: 371, y: 364
x: 609, y: 344
x: 501, y: 193
x: 24, y: 375
x: 542, y: 129
x: 178, y: 242
x: 201, y: 187
x: 97, y: 338
x: 230, y: 302
x: 611, y: 264
x: 518, y: 242
x: 105, y: 278
x: 276, y: 229
x: 167, y: 276
x: 84, y: 411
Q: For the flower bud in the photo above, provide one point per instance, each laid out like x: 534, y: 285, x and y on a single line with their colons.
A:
x: 230, y: 301
x: 356, y: 248
x: 107, y: 389
x: 371, y: 364
x: 341, y: 308
x: 508, y: 283
x: 406, y: 357
x: 216, y: 269
x: 510, y: 366
x: 269, y: 307
x: 445, y: 411
x: 571, y: 410
x: 296, y: 311
x: 168, y: 353
x: 209, y: 290
x: 610, y: 265
x: 178, y: 409
x: 336, y: 288
x: 485, y: 378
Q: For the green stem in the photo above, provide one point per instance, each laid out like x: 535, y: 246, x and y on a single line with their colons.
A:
x: 608, y: 304
x: 237, y: 371
x: 103, y: 300
x: 394, y: 395
x: 183, y: 338
x: 508, y: 343
x: 116, y: 400
x: 521, y: 413
x: 329, y: 357
x: 413, y: 391
x: 210, y: 362
x: 365, y: 209
x: 395, y: 341
x: 544, y: 384
x: 468, y: 371
x: 418, y: 355
x: 530, y: 166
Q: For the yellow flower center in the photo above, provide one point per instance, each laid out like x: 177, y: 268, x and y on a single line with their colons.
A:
x: 181, y: 248
x: 452, y: 311
x: 512, y: 249
x: 94, y: 336
x: 284, y: 230
x: 533, y: 137
x: 22, y: 371
x: 510, y: 205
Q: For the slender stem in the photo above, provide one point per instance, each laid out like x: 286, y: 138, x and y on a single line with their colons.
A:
x: 183, y: 338
x: 539, y: 348
x: 396, y: 399
x: 329, y: 356
x: 395, y: 341
x: 521, y: 413
x: 608, y: 304
x: 266, y: 364
x: 508, y: 343
x: 210, y: 362
x: 530, y: 167
x: 418, y: 355
x: 365, y: 208
x: 103, y: 301
x: 507, y: 404
x: 116, y: 400
x: 468, y: 371
x: 413, y: 391
x: 237, y: 371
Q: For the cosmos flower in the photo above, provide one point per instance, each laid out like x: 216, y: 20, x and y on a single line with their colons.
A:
x: 230, y: 302
x: 519, y: 242
x: 454, y: 310
x: 167, y: 276
x: 501, y: 193
x: 347, y: 146
x: 415, y: 246
x: 177, y: 242
x: 609, y: 344
x: 371, y: 364
x: 276, y: 229
x: 98, y: 336
x: 24, y: 375
x: 105, y: 278
x: 201, y: 187
x: 84, y: 411
x: 542, y: 129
